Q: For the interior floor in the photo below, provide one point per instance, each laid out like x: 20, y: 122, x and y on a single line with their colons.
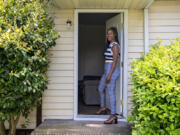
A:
x: 88, y: 109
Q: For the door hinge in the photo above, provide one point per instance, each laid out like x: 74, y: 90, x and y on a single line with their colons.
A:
x: 121, y: 102
x: 122, y: 25
x: 122, y: 64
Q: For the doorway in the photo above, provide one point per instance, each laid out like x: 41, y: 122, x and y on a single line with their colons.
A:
x: 91, y: 36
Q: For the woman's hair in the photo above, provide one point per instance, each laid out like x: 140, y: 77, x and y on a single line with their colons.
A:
x: 114, y: 29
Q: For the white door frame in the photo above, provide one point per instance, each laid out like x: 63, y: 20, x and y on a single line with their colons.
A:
x: 125, y: 74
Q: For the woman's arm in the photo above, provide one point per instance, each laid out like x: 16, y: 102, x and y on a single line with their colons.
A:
x: 115, y: 50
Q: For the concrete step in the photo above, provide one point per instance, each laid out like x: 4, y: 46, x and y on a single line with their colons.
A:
x: 74, y: 127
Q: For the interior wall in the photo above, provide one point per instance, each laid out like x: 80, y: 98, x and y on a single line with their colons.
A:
x: 91, y: 50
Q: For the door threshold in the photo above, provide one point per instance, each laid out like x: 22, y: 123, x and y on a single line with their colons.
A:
x: 96, y: 117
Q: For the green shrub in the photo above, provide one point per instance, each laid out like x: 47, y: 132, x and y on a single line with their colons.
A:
x: 26, y: 34
x: 156, y: 91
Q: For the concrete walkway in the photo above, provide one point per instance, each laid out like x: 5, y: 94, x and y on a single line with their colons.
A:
x: 71, y: 127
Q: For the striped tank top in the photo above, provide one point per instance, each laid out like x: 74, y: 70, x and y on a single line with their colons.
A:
x: 109, y: 53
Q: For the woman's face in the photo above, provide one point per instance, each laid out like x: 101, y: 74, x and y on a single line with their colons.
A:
x: 110, y: 35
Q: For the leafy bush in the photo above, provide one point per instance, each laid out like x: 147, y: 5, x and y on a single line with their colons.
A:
x: 156, y: 91
x: 26, y: 34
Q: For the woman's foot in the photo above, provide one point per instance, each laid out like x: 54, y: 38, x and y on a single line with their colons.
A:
x: 112, y: 119
x: 102, y: 110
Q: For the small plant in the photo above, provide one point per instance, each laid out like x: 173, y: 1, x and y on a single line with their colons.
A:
x: 26, y: 34
x: 156, y: 91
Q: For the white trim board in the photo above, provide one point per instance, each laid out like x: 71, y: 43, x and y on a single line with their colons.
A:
x: 146, y: 31
x: 96, y: 118
x: 125, y: 74
x: 146, y: 26
x: 148, y: 4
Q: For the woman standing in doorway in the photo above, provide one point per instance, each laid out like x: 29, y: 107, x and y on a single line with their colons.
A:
x: 110, y: 75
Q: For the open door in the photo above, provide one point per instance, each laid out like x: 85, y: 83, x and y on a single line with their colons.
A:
x: 117, y: 21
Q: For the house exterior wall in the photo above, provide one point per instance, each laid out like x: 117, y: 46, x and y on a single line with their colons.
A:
x: 135, y: 44
x: 58, y: 99
x: 164, y: 21
x: 57, y: 102
x: 164, y: 24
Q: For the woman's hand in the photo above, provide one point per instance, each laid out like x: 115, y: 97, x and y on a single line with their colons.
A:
x: 108, y: 78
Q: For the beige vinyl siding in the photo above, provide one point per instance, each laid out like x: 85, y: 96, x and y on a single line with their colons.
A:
x: 164, y: 24
x: 164, y: 21
x: 58, y: 98
x: 135, y: 43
